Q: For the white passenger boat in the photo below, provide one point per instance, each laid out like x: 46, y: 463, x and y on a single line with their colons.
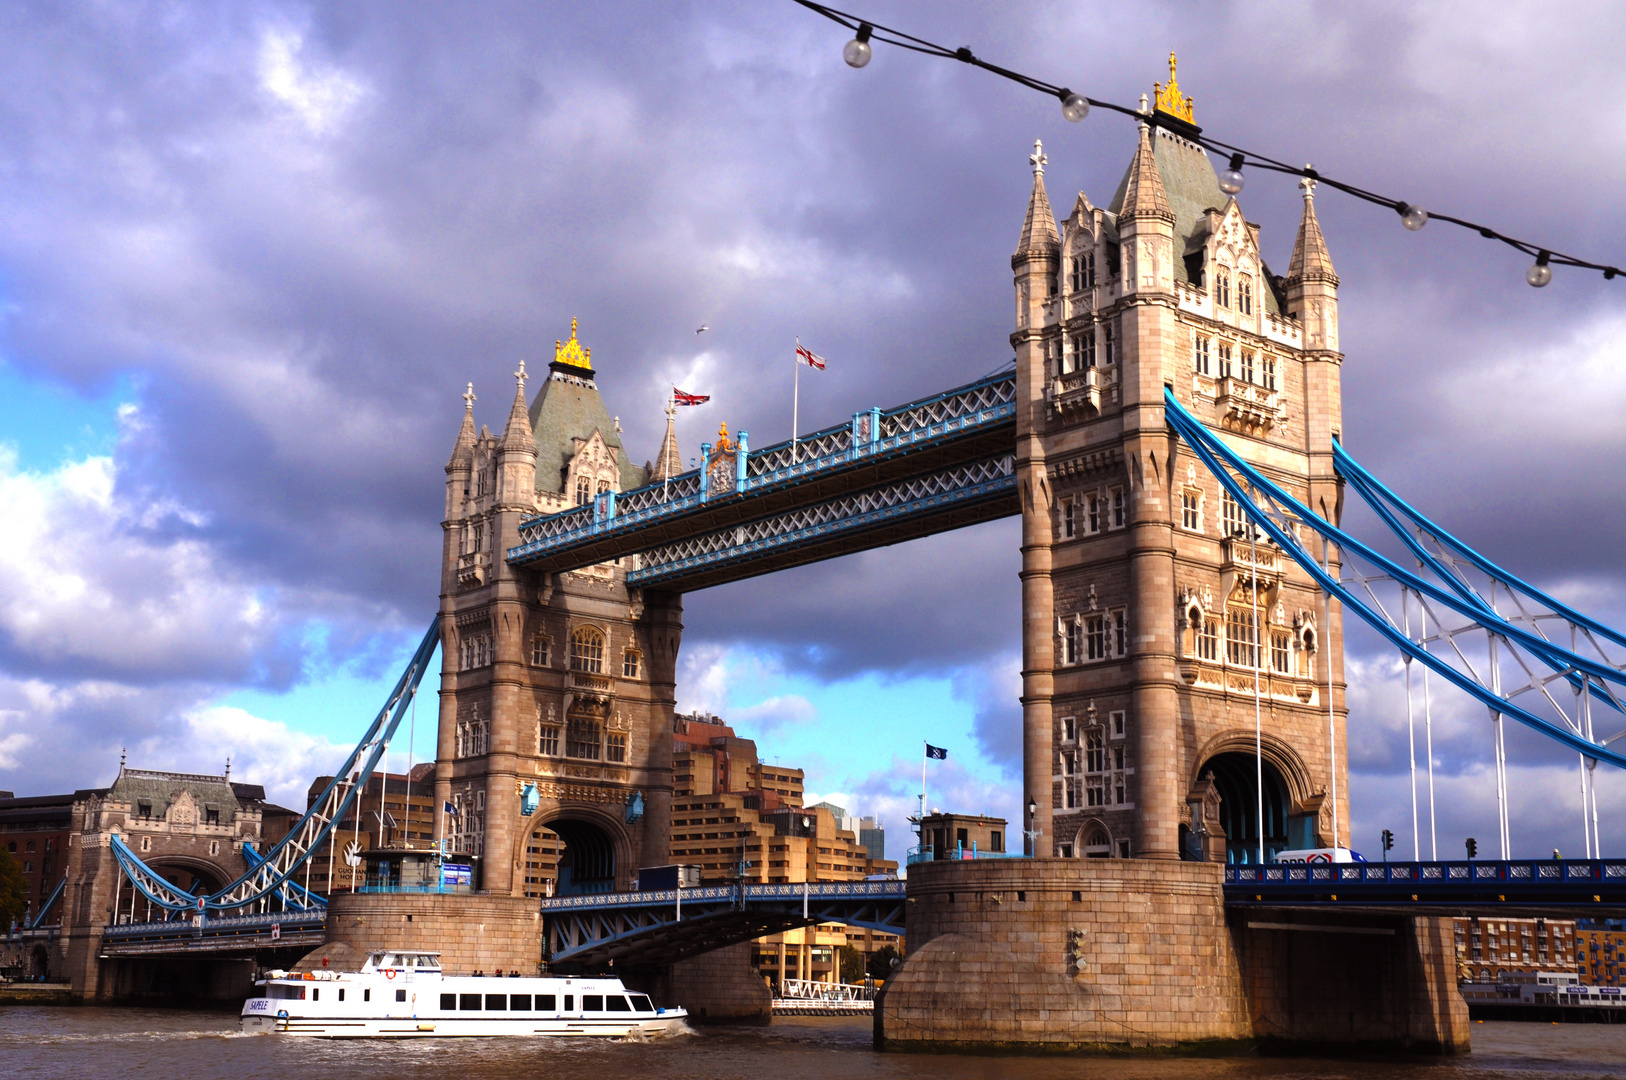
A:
x: 404, y: 995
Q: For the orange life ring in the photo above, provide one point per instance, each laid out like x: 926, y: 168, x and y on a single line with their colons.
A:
x: 389, y: 973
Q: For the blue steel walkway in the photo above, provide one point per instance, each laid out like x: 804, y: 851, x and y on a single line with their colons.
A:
x: 886, y: 476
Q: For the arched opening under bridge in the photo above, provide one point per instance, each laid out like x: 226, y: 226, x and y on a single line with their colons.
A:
x: 569, y: 857
x: 1237, y: 783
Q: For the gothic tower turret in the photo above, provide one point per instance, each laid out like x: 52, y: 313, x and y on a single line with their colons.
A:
x: 1167, y: 625
x: 1036, y: 265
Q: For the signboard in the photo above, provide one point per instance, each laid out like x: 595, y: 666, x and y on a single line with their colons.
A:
x: 276, y: 931
x: 455, y: 873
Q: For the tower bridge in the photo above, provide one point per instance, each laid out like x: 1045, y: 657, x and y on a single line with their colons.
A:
x: 1172, y: 439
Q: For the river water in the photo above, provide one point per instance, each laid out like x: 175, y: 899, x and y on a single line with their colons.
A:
x: 134, y: 1044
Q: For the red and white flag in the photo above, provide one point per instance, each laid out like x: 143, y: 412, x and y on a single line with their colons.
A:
x: 680, y: 398
x: 807, y: 356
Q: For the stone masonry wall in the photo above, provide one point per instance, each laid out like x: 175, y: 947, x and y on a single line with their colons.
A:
x: 995, y: 946
x: 471, y: 933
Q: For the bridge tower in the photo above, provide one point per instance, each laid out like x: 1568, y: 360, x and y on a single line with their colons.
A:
x: 565, y: 682
x: 1145, y: 666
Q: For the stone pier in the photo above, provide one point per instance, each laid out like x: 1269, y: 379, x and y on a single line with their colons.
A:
x: 1070, y: 955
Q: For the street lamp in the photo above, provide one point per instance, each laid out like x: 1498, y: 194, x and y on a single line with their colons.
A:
x: 1032, y: 837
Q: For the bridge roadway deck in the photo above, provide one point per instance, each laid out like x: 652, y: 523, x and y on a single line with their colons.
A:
x: 1581, y: 888
x: 221, y: 934
x: 646, y: 928
x: 889, y: 475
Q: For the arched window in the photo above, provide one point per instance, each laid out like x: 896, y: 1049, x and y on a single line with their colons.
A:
x: 584, y: 490
x: 603, y: 486
x: 587, y: 650
x: 1244, y: 294
x: 1222, y: 288
x: 583, y: 738
x: 630, y: 663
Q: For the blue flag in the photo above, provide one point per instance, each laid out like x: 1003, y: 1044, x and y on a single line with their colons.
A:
x: 451, y: 811
x: 937, y: 752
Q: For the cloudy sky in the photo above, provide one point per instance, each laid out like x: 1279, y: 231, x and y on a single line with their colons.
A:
x: 253, y: 251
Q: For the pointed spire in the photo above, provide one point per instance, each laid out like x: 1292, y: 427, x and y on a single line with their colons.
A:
x: 1143, y: 193
x: 463, y: 448
x: 1039, y: 227
x: 668, y: 463
x: 1310, y: 262
x: 517, y: 435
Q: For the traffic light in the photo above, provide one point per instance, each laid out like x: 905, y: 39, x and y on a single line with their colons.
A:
x: 1388, y: 842
x: 1473, y: 847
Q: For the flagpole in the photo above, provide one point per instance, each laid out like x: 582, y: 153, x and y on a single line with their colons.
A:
x: 671, y: 414
x: 795, y: 403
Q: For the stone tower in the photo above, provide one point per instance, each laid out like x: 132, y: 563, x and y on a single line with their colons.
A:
x: 1156, y: 627
x: 560, y: 682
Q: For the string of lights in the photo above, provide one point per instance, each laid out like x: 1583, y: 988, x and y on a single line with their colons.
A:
x: 1075, y: 107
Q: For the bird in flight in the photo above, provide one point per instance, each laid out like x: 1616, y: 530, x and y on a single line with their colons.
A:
x: 702, y: 330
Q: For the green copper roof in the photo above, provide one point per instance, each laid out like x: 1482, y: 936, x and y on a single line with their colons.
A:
x: 568, y: 408
x: 1192, y: 188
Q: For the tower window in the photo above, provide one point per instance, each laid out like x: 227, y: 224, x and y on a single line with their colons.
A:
x: 1072, y: 639
x: 587, y: 650
x: 1247, y: 366
x: 1120, y: 508
x: 539, y: 650
x: 629, y: 664
x: 1208, y: 640
x: 583, y: 739
x: 1200, y: 358
x: 1280, y: 655
x: 584, y: 491
x: 548, y: 740
x: 1084, y: 349
x: 1095, y: 637
x: 1097, y: 513
x: 1108, y: 356
x: 1244, y: 294
x: 1268, y: 371
x: 1191, y: 510
x: 615, y: 746
x: 1224, y: 360
x: 1241, y: 637
x: 1222, y: 288
x: 1233, y: 519
x: 1069, y: 522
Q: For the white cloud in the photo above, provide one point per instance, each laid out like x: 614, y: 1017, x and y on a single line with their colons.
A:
x: 320, y: 95
x: 773, y: 713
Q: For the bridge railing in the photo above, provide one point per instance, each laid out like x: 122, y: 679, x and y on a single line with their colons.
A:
x: 877, y: 432
x: 288, y: 920
x: 929, y: 854
x: 656, y: 897
x: 1519, y: 872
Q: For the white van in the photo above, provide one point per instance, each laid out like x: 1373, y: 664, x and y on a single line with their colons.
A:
x: 1319, y: 855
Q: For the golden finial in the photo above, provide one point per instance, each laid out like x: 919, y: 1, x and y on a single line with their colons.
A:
x: 723, y: 445
x: 571, y: 352
x: 1170, y: 100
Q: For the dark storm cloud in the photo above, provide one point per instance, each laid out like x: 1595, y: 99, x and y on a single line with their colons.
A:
x: 305, y: 227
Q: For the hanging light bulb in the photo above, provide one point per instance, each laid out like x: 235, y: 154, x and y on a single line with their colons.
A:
x: 1412, y: 217
x: 1074, y: 107
x: 1231, y: 179
x: 858, y: 51
x: 1539, y: 274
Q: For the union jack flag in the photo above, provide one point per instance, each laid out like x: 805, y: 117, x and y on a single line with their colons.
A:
x: 680, y: 398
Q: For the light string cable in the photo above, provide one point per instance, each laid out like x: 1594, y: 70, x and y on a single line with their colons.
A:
x: 1076, y: 107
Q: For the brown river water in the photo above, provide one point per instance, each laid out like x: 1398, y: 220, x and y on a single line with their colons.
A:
x: 119, y: 1043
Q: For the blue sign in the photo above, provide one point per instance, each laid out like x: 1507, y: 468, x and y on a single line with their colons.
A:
x: 454, y: 873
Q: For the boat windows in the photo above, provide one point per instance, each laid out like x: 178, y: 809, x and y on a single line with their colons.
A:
x: 496, y: 1002
x: 548, y: 1003
x: 592, y: 1003
x: 400, y: 995
x: 341, y: 993
x: 448, y: 1002
x: 519, y: 1003
x: 641, y: 1003
x: 468, y: 1001
x: 316, y: 993
x: 570, y: 1002
x: 294, y: 993
x: 616, y: 1003
x: 367, y: 995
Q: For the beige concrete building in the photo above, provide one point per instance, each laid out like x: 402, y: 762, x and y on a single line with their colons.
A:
x: 1501, y: 950
x: 1155, y: 628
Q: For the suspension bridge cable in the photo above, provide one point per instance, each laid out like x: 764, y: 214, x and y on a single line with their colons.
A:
x: 1076, y: 106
